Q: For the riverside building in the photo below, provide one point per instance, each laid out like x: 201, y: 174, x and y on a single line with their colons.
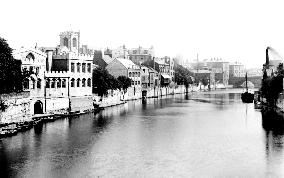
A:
x: 61, y: 77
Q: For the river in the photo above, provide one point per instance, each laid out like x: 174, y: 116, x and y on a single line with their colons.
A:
x: 209, y: 134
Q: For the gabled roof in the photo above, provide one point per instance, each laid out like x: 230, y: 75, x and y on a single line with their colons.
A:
x: 107, y: 59
x: 127, y: 63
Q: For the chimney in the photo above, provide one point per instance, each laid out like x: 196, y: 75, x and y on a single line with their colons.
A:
x: 267, y: 57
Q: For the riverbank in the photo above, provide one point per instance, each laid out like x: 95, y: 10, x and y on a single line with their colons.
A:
x: 11, y: 129
x: 113, y: 99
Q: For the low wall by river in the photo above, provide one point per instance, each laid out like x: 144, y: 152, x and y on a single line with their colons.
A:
x: 118, y: 97
x: 17, y: 107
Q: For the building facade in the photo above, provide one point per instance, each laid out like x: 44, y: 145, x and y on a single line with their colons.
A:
x: 221, y: 70
x: 140, y: 55
x: 125, y: 67
x: 236, y: 70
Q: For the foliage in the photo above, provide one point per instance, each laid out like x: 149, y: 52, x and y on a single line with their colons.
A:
x: 183, y: 76
x: 11, y: 76
x: 125, y: 82
x: 103, y: 81
x: 272, y: 86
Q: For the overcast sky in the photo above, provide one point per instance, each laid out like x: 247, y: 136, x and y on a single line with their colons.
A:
x: 232, y: 30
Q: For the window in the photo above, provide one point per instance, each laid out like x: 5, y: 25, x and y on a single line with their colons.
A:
x: 138, y: 74
x: 138, y: 82
x: 37, y: 70
x: 33, y: 84
x: 78, y: 82
x: 130, y: 74
x: 132, y: 82
x: 78, y: 67
x: 83, y: 82
x: 72, y: 67
x: 47, y: 83
x: 89, y: 67
x: 58, y: 82
x: 39, y: 83
x: 64, y: 83
x: 72, y: 82
x: 65, y: 42
x: 135, y: 82
x: 89, y: 83
x: 26, y: 83
x: 31, y: 68
x: 84, y: 67
x: 74, y: 42
x: 52, y: 85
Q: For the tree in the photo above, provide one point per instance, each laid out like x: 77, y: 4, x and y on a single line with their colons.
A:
x: 11, y: 77
x: 103, y: 81
x: 183, y: 76
x: 125, y: 82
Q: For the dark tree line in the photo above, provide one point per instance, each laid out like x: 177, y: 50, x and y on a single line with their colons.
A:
x: 11, y: 76
x: 103, y: 81
x: 183, y: 76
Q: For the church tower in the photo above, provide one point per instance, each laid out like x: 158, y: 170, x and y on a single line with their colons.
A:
x: 70, y: 40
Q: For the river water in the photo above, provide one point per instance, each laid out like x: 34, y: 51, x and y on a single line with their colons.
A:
x: 203, y: 135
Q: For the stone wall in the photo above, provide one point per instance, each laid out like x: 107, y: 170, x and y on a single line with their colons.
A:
x: 18, y: 108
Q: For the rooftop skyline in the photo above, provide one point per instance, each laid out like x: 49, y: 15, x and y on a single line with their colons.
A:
x: 234, y: 31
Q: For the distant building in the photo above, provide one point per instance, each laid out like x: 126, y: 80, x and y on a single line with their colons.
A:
x: 236, y: 70
x: 108, y: 52
x: 140, y: 55
x: 120, y: 52
x: 125, y: 67
x: 164, y: 71
x: 171, y: 71
x: 204, y: 74
x: 220, y: 68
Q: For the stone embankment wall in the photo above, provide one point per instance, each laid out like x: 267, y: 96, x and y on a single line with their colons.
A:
x: 118, y: 97
x: 17, y: 108
x: 21, y: 107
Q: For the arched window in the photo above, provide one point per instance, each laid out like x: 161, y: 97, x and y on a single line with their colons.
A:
x: 58, y: 83
x: 47, y: 83
x: 65, y: 42
x: 30, y: 57
x: 89, y: 82
x: 52, y: 83
x: 39, y: 83
x: 74, y: 42
x: 78, y: 82
x: 83, y: 82
x: 64, y: 83
x: 33, y: 83
x: 72, y: 82
x: 26, y: 83
x: 78, y: 67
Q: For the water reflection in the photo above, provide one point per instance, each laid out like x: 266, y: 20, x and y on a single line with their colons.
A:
x: 273, y: 124
x: 211, y: 134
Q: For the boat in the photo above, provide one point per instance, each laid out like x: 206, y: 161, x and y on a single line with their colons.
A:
x: 247, y: 97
